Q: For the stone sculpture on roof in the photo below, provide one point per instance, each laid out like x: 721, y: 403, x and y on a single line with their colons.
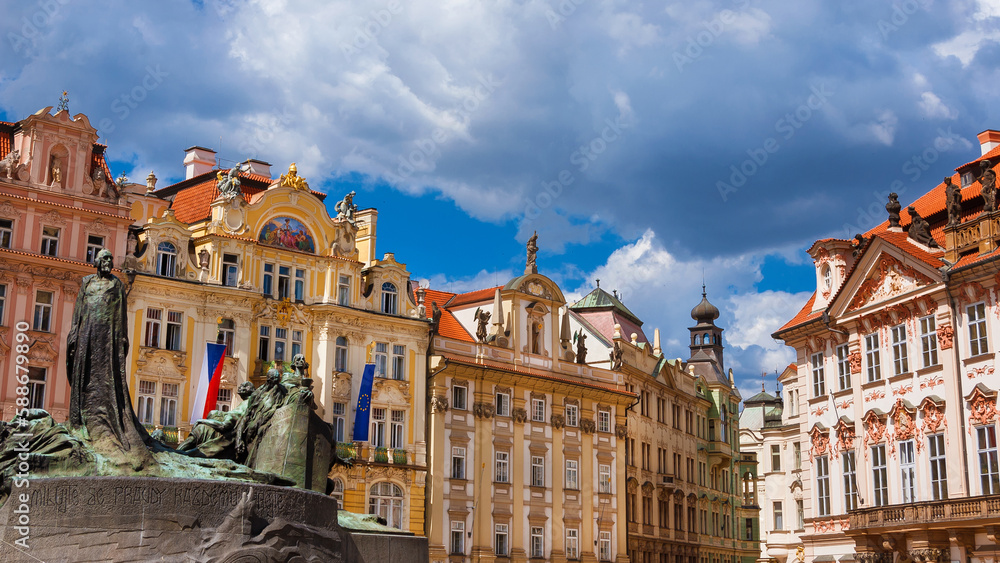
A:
x: 346, y: 208
x: 9, y: 163
x: 580, y: 339
x: 988, y: 181
x: 893, y: 208
x: 482, y: 319
x: 920, y: 229
x: 953, y: 197
x: 530, y: 267
x: 229, y: 184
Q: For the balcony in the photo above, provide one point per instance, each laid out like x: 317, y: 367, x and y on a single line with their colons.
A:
x: 361, y: 452
x: 921, y: 520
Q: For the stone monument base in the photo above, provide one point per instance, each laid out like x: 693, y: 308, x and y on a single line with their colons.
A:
x: 145, y: 519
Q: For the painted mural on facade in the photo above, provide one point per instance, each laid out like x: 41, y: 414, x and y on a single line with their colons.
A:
x: 287, y: 233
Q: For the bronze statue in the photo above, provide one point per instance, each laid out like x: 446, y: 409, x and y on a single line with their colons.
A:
x: 953, y: 197
x: 893, y: 208
x: 530, y: 267
x: 262, y: 405
x: 988, y: 180
x: 215, y: 436
x: 920, y: 229
x: 100, y: 404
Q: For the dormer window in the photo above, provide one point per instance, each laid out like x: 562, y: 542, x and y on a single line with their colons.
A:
x: 166, y: 260
x: 968, y: 178
x: 389, y: 294
x: 827, y: 278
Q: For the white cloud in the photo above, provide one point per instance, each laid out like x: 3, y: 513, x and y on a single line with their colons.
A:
x: 932, y: 106
x: 751, y: 26
x: 966, y: 44
x: 884, y: 129
x: 481, y: 280
x: 986, y: 9
x: 757, y: 315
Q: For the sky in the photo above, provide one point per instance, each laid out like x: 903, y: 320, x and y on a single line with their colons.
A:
x: 654, y: 146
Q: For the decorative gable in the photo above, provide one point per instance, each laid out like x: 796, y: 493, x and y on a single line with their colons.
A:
x: 888, y: 278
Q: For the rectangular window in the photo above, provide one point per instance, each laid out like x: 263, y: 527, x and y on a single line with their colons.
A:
x: 928, y: 341
x: 280, y: 342
x: 230, y: 270
x: 377, y: 437
x: 850, y: 482
x: 344, y: 291
x: 502, y: 404
x: 538, y: 410
x: 844, y: 366
x: 43, y: 311
x: 398, y: 362
x: 6, y: 232
x: 604, y: 421
x: 572, y: 474
x: 873, y: 358
x: 339, y: 421
x: 537, y: 542
x: 300, y: 284
x: 775, y: 457
x: 224, y: 400
x: 168, y: 405
x: 604, y: 478
x: 500, y: 540
x: 296, y: 342
x: 819, y: 378
x: 95, y: 244
x: 823, y: 485
x: 381, y: 358
x: 907, y: 471
x: 796, y: 455
x: 800, y: 515
x: 502, y: 474
x: 572, y: 544
x: 537, y: 471
x: 458, y: 395
x: 604, y: 546
x: 36, y: 388
x: 977, y: 329
x: 457, y: 462
x: 284, y: 273
x: 264, y: 343
x: 340, y: 355
x: 146, y: 399
x: 396, y: 434
x: 880, y: 476
x: 900, y: 361
x: 50, y: 241
x: 989, y: 472
x: 154, y: 318
x: 174, y: 325
x: 458, y: 538
x: 227, y: 335
x: 572, y: 415
x: 779, y: 517
x: 268, y: 284
x: 939, y: 470
x: 3, y: 301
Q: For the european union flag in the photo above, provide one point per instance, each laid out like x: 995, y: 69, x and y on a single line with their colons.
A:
x: 363, y: 413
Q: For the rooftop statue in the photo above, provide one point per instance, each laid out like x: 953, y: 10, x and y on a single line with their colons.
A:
x: 229, y: 183
x: 530, y: 267
x: 581, y: 347
x: 346, y: 208
x: 988, y: 181
x: 293, y: 180
x: 482, y: 318
x: 920, y: 229
x: 953, y: 197
x: 893, y: 208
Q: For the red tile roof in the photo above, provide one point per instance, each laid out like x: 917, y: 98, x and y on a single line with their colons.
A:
x: 97, y: 160
x: 476, y: 296
x: 449, y: 326
x: 194, y: 203
x: 804, y: 315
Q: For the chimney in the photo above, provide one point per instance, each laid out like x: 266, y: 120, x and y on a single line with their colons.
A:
x: 988, y: 140
x: 197, y: 161
x: 259, y: 167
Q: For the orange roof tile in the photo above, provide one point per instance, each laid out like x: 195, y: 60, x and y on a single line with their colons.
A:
x: 449, y: 326
x: 993, y: 153
x: 804, y: 315
x: 97, y: 160
x: 476, y: 296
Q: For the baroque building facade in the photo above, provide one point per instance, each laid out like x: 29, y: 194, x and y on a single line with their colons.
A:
x: 58, y: 207
x: 893, y: 395
x: 257, y: 263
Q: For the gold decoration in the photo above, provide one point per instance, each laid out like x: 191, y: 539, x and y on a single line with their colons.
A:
x: 293, y: 180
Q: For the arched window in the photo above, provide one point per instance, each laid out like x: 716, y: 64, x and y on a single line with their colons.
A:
x: 389, y: 298
x: 338, y: 493
x: 827, y: 277
x: 386, y: 500
x: 340, y: 355
x: 166, y: 260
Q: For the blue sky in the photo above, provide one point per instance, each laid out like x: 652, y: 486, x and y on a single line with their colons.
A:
x: 649, y: 144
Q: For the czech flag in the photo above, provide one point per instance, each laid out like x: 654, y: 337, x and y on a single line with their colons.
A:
x: 363, y: 412
x: 207, y: 395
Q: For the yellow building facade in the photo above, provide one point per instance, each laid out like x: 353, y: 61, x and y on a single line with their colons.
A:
x: 261, y: 266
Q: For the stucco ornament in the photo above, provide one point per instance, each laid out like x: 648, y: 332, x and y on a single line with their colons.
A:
x: 9, y: 163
